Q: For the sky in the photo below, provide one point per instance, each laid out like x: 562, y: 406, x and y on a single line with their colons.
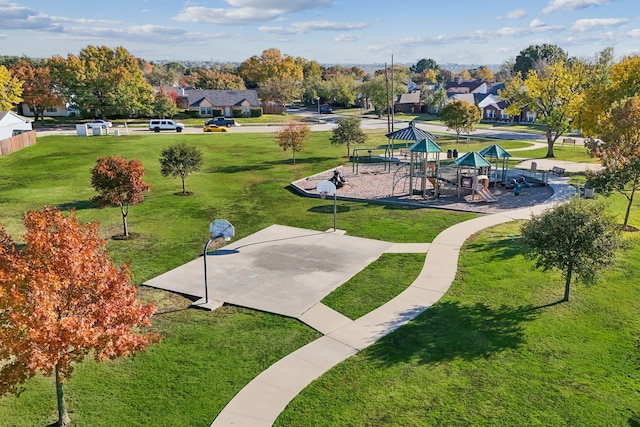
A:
x: 328, y: 31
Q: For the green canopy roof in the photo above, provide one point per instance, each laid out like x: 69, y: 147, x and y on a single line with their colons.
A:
x: 496, y: 152
x: 411, y: 133
x: 425, y: 146
x: 473, y: 159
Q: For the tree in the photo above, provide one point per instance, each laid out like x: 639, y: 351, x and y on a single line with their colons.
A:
x: 62, y: 299
x: 10, y: 89
x: 164, y: 105
x: 180, y: 160
x: 425, y: 64
x: 578, y: 238
x: 537, y: 57
x: 271, y: 63
x: 118, y: 182
x: 465, y: 74
x: 37, y: 89
x: 348, y: 132
x: 483, y: 73
x: 611, y: 84
x: 281, y: 90
x: 103, y: 81
x: 218, y: 80
x: 435, y: 98
x: 460, y: 116
x: 550, y: 93
x: 342, y: 89
x: 619, y: 152
x: 292, y: 137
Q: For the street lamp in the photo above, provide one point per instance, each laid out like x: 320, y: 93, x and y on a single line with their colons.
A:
x: 218, y: 228
x: 318, y: 109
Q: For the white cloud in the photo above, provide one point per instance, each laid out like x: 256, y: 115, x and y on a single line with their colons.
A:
x: 247, y: 11
x: 555, y: 5
x: 286, y: 6
x: 15, y: 17
x: 634, y: 33
x: 515, y: 14
x: 347, y: 38
x: 537, y: 23
x: 582, y: 25
x: 305, y: 27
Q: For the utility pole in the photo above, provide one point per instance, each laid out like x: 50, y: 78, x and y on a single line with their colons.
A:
x: 386, y: 81
x: 393, y: 99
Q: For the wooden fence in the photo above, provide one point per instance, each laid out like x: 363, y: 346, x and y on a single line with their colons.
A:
x: 18, y: 142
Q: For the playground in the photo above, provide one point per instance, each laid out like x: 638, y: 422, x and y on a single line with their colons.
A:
x: 372, y: 183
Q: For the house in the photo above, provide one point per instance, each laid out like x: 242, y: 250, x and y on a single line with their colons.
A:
x: 12, y: 124
x: 16, y: 132
x: 210, y: 103
x: 408, y: 102
x: 57, y: 111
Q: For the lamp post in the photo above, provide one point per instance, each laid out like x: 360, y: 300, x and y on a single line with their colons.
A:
x: 218, y: 228
x: 318, y: 109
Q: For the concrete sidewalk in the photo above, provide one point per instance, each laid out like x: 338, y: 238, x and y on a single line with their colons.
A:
x: 260, y: 402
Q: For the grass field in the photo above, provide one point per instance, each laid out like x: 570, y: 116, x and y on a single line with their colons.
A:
x: 464, y: 362
x: 496, y: 350
x: 205, y: 357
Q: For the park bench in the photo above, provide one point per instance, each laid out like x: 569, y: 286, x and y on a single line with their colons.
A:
x: 569, y: 141
x: 557, y: 171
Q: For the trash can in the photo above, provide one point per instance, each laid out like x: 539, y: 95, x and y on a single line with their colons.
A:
x: 589, y: 193
x: 449, y: 154
x: 455, y: 153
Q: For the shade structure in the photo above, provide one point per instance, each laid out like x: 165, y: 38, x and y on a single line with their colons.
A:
x: 411, y: 133
x: 497, y: 152
x: 425, y: 145
x: 473, y: 160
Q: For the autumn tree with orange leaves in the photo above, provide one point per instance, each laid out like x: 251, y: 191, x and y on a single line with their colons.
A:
x: 292, y: 136
x: 118, y: 182
x: 37, y: 87
x: 61, y: 299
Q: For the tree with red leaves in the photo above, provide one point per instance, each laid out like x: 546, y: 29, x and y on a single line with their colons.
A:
x: 118, y: 182
x: 62, y: 298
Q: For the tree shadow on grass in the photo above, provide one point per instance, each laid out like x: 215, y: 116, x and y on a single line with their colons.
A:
x: 76, y: 205
x: 328, y: 209
x: 450, y: 330
x: 501, y: 249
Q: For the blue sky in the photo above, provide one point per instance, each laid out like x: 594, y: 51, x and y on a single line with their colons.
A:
x: 329, y: 31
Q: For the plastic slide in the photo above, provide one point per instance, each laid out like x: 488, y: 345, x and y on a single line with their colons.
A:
x: 485, y: 194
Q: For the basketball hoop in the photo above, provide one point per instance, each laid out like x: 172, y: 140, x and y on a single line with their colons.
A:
x: 323, y: 194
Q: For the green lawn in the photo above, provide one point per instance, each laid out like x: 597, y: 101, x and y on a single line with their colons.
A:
x: 464, y: 362
x: 205, y: 357
x: 496, y: 351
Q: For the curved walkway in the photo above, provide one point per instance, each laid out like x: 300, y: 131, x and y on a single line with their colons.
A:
x: 260, y: 402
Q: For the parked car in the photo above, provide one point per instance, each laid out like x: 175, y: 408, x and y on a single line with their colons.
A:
x: 214, y: 128
x: 325, y: 109
x: 221, y: 121
x: 99, y: 124
x: 157, y: 125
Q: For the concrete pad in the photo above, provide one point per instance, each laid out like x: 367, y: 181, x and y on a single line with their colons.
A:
x: 283, y: 270
x: 324, y: 319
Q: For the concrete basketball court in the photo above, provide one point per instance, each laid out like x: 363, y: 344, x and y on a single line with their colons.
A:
x: 283, y: 270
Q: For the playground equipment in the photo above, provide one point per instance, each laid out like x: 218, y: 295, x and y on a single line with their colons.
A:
x: 410, y: 133
x: 372, y: 155
x: 518, y: 183
x: 425, y: 164
x: 497, y: 152
x: 476, y: 166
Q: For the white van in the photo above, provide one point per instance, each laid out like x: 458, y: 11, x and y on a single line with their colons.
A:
x: 157, y: 125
